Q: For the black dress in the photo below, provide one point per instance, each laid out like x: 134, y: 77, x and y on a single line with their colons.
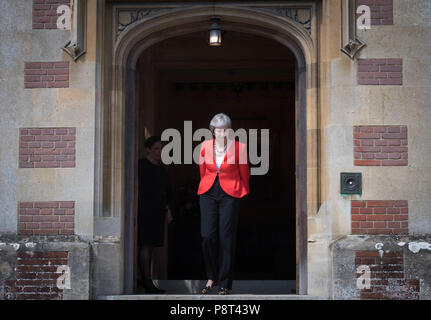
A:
x: 154, y: 192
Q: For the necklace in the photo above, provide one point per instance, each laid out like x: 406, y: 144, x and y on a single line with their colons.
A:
x: 220, y: 151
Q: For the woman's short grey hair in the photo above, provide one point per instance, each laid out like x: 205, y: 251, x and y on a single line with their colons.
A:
x: 220, y: 120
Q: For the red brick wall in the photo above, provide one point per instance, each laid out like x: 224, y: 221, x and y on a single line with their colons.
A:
x: 46, y: 218
x: 47, y: 147
x: 380, y: 145
x: 36, y: 276
x: 382, y: 11
x: 387, y: 276
x: 46, y: 74
x: 379, y: 216
x: 45, y: 13
x: 380, y: 72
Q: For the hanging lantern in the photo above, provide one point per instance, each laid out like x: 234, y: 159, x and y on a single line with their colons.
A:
x: 214, y: 33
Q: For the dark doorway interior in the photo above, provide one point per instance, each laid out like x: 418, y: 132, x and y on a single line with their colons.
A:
x: 252, y: 79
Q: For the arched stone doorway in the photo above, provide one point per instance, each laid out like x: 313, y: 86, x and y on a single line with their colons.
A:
x: 118, y: 178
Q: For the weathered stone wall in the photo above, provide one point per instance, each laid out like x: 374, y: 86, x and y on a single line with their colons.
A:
x: 31, y: 266
x: 107, y: 274
x: 397, y: 267
x: 46, y: 152
x: 37, y: 268
x: 43, y: 91
x: 387, y: 84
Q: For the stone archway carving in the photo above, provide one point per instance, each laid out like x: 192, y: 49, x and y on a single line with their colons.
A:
x: 157, y: 25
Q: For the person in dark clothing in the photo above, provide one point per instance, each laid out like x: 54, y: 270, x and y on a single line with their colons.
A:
x: 154, y: 203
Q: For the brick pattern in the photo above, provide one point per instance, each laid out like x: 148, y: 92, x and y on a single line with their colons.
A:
x: 47, y: 147
x: 382, y: 11
x: 387, y: 276
x: 36, y: 276
x: 380, y: 145
x: 46, y: 218
x: 380, y: 71
x: 45, y: 13
x: 46, y: 74
x: 379, y: 216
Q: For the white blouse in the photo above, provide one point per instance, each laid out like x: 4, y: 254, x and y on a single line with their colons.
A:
x: 219, y: 159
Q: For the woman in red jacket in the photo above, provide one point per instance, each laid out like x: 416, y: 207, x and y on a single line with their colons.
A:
x: 225, y: 174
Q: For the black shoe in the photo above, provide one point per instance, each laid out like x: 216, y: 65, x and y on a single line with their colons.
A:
x: 223, y: 291
x: 208, y: 288
x: 151, y: 288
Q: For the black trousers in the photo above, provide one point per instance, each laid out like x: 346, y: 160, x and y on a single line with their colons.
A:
x: 219, y: 224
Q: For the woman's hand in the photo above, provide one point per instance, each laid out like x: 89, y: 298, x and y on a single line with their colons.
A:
x: 169, y: 216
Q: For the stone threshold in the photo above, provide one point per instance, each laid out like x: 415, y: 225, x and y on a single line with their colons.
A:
x: 210, y: 297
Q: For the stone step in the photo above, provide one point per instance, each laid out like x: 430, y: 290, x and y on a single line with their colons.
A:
x: 211, y: 297
x: 241, y: 289
x: 238, y: 286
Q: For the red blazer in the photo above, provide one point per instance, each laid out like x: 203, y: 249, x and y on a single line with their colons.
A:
x: 234, y: 171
